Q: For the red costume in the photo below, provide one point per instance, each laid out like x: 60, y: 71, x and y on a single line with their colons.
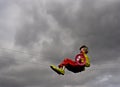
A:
x: 73, y: 65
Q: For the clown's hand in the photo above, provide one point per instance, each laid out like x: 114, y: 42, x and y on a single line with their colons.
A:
x: 81, y: 60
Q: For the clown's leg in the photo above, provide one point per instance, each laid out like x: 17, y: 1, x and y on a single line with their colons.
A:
x: 58, y: 70
x: 65, y: 62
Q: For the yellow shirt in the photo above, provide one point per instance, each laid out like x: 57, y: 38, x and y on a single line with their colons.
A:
x: 87, y: 60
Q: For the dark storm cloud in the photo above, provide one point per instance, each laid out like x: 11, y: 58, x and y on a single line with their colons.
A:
x: 33, y: 26
x: 104, y: 32
x: 6, y: 60
x: 30, y: 75
x: 26, y: 76
x: 97, y: 27
x: 61, y: 27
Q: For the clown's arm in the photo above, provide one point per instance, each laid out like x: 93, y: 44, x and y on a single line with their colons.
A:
x: 87, y: 61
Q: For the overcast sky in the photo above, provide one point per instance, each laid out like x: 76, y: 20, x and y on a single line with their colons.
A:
x: 37, y: 33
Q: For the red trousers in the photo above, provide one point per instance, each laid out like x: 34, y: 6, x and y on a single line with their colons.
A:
x: 66, y: 62
x: 71, y: 65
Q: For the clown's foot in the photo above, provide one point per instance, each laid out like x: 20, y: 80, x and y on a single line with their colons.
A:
x: 60, y: 71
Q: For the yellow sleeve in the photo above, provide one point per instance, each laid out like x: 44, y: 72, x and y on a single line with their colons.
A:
x: 87, y: 60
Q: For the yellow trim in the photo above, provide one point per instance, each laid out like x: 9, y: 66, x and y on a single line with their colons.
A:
x: 58, y: 70
x: 87, y: 60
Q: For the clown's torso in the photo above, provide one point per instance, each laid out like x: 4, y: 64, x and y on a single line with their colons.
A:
x: 81, y: 58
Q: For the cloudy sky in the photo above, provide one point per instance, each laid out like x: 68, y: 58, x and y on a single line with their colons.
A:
x: 37, y: 33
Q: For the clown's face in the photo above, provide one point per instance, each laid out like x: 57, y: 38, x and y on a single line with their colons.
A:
x: 84, y: 50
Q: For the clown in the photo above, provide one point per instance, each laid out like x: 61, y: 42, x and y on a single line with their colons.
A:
x: 81, y: 61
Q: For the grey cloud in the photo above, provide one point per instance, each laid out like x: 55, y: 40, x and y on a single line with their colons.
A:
x: 73, y: 23
x: 30, y: 75
x: 6, y: 60
x: 33, y: 26
x: 98, y: 28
